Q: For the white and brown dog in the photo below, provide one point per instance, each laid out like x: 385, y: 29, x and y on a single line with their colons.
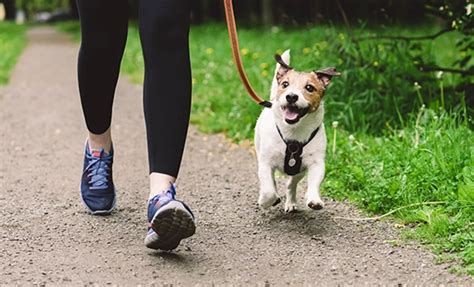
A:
x: 290, y: 136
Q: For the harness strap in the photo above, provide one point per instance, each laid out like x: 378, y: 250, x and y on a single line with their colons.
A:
x: 294, y: 150
x: 234, y: 42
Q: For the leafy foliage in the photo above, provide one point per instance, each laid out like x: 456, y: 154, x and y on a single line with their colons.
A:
x: 34, y: 6
x: 13, y: 40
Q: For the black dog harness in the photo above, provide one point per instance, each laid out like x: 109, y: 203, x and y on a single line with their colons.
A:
x: 293, y: 152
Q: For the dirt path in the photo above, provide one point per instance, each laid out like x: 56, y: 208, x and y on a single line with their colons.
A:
x: 46, y: 237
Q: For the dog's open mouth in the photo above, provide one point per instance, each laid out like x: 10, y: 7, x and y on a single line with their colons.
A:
x: 293, y: 113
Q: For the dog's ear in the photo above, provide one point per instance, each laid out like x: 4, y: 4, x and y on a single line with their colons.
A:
x: 283, y: 68
x: 325, y: 75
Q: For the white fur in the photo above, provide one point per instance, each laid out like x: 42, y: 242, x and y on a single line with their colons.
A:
x: 271, y: 151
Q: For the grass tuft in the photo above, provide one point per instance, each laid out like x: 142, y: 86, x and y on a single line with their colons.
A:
x: 13, y: 40
x: 430, y: 160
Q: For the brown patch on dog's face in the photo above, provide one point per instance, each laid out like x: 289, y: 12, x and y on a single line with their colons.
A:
x: 306, y: 84
x: 299, y: 93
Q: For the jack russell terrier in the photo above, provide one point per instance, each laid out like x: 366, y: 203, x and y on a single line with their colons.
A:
x: 290, y: 136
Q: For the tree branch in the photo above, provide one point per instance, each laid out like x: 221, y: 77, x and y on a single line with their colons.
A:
x: 406, y: 38
x: 447, y: 70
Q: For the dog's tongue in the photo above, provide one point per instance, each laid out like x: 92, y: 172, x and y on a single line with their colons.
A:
x: 291, y: 115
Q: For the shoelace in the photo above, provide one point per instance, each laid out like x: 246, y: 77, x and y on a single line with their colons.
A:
x: 98, y: 171
x: 170, y: 194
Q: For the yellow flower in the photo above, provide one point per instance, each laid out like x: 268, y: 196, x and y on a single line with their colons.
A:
x: 244, y: 51
x: 307, y: 50
x: 194, y: 81
x: 264, y: 74
x: 375, y: 63
x: 264, y: 65
x: 209, y: 51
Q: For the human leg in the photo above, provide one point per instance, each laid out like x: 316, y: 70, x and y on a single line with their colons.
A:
x: 103, y: 41
x: 164, y: 30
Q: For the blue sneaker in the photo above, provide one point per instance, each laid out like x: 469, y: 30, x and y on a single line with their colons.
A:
x: 169, y: 221
x: 97, y: 186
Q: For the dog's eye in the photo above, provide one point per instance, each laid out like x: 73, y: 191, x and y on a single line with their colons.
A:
x: 285, y: 84
x: 309, y: 88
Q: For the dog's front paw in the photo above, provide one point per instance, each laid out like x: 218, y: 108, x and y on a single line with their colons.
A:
x: 315, y: 204
x: 290, y: 207
x: 267, y: 200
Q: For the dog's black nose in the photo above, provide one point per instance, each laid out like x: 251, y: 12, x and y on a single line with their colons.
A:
x: 291, y: 98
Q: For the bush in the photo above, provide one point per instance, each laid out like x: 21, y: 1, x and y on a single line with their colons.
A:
x: 34, y: 6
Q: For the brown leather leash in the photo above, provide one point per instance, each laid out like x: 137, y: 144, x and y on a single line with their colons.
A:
x: 234, y: 43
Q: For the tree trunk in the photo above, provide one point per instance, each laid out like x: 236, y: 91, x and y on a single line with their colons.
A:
x: 267, y: 12
x: 10, y: 10
x: 73, y: 9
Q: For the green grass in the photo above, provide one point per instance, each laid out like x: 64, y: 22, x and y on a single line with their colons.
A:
x: 430, y: 160
x: 12, y: 42
x: 375, y: 91
x: 399, y: 153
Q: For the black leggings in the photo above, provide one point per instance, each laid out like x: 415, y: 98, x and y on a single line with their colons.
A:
x: 164, y: 30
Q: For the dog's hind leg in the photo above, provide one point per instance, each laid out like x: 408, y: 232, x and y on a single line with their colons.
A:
x: 268, y: 195
x: 290, y: 204
x: 315, y: 177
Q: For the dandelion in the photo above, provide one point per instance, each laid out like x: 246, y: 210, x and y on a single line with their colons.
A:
x: 351, y: 138
x: 335, y: 124
x: 441, y: 8
x: 264, y: 65
x: 264, y: 74
x: 307, y: 50
x: 244, y: 51
x: 469, y: 9
x: 209, y: 51
x: 439, y: 74
x: 435, y: 117
x: 275, y: 29
x: 375, y: 63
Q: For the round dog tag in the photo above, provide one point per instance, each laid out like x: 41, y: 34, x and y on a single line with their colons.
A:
x: 292, y: 162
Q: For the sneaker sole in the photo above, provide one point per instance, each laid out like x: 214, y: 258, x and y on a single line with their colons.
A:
x: 172, y: 224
